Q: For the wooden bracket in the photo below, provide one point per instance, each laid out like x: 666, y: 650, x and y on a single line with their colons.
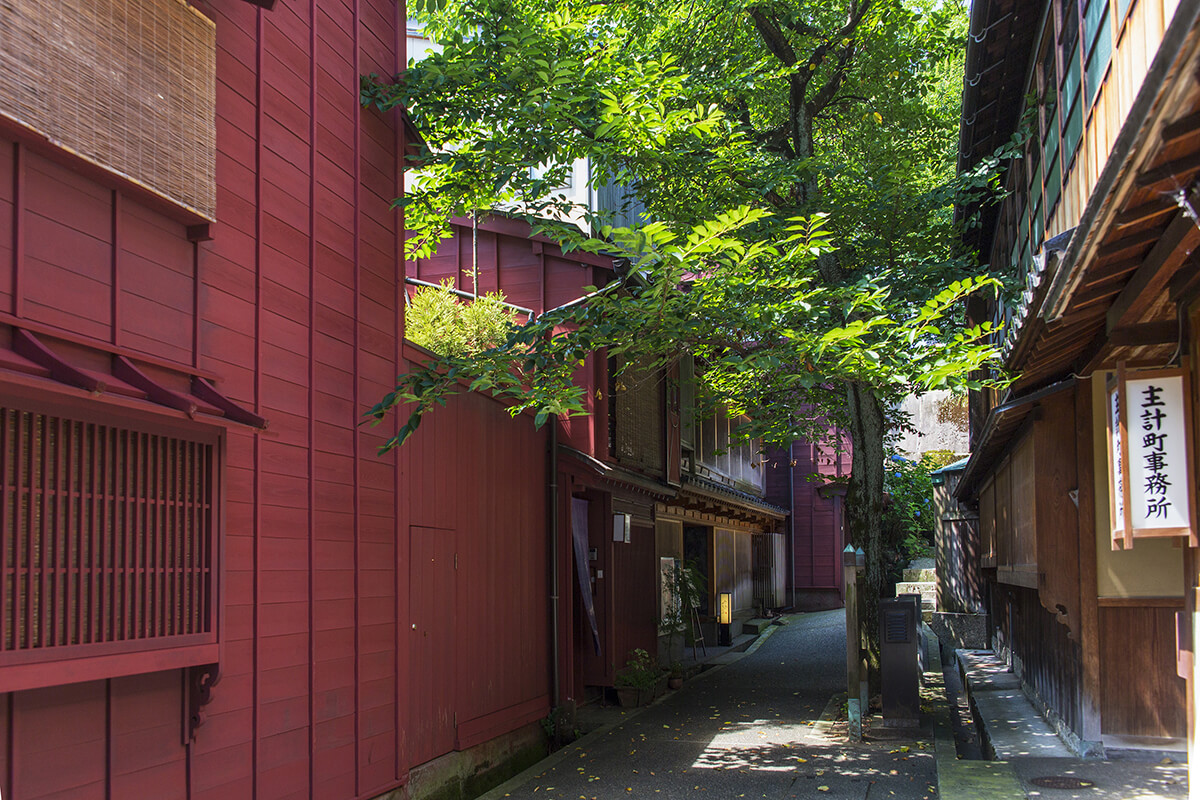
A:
x: 199, y: 683
x: 29, y: 346
x: 125, y: 369
x: 200, y: 233
x: 209, y: 394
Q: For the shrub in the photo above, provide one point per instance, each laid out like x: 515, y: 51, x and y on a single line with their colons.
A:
x: 437, y: 320
x: 910, y: 516
x: 639, y: 672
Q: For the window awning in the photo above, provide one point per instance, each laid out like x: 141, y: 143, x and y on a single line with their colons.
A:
x: 33, y: 362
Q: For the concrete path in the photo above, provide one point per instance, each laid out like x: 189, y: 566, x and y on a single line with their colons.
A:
x: 752, y: 728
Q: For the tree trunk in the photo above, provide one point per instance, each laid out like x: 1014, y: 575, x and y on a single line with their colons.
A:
x: 864, y: 505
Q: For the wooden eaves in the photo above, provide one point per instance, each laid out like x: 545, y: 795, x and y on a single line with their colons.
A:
x: 1113, y: 293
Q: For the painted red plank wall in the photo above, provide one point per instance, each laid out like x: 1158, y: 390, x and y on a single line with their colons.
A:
x: 814, y: 534
x: 817, y: 540
x: 531, y: 272
x: 293, y: 307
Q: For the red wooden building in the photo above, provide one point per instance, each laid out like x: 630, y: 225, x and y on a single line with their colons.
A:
x: 213, y: 587
x: 637, y: 482
x: 800, y: 478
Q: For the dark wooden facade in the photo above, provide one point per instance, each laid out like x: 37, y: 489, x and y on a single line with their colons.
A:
x: 1099, y: 228
x: 370, y: 612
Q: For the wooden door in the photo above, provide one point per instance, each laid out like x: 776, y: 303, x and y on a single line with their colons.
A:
x: 433, y: 588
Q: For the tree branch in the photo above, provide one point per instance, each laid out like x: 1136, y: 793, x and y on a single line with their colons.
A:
x: 776, y: 139
x: 845, y: 98
x: 773, y: 37
x: 827, y: 92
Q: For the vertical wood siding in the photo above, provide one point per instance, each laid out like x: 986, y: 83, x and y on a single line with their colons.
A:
x: 531, y: 273
x: 294, y: 305
x: 1140, y: 695
x: 1135, y: 42
x: 635, y: 600
x: 1045, y: 657
x: 815, y: 534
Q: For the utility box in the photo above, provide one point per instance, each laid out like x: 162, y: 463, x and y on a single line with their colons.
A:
x: 898, y: 649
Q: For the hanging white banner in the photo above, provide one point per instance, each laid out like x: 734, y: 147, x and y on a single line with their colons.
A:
x: 1150, y: 455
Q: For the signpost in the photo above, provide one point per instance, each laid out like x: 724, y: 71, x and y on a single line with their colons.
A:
x: 853, y: 562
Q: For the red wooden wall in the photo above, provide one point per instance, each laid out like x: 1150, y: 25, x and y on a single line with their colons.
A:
x: 814, y: 534
x: 292, y: 308
x: 532, y: 272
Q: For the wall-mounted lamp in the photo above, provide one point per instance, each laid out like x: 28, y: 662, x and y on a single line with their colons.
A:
x: 724, y: 619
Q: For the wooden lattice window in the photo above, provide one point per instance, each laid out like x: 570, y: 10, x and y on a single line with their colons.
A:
x: 107, y: 548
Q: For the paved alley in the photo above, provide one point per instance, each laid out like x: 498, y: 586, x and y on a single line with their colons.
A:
x: 750, y: 729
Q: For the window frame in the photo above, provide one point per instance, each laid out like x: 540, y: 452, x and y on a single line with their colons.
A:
x: 64, y: 664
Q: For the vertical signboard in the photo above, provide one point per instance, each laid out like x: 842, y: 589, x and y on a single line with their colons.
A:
x: 1149, y: 445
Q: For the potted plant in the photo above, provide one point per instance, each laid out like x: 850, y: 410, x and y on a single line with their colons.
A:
x: 675, y: 676
x: 684, y: 593
x: 635, y: 681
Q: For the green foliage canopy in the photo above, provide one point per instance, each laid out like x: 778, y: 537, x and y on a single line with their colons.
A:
x: 795, y: 159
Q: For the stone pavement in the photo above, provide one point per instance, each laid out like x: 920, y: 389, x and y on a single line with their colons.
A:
x: 762, y: 726
x: 1028, y: 751
x: 769, y: 723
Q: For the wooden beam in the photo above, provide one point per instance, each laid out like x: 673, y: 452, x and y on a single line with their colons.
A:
x: 1139, y: 239
x: 1144, y: 212
x: 1113, y: 269
x: 1184, y: 283
x: 1181, y: 128
x: 1089, y: 614
x: 1091, y: 357
x: 1148, y: 333
x: 1172, y: 249
x: 1175, y: 170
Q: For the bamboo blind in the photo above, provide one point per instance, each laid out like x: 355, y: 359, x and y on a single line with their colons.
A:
x: 129, y: 85
x: 105, y: 534
x: 636, y: 416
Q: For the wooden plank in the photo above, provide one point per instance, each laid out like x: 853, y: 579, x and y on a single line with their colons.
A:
x: 1170, y: 251
x: 1140, y: 602
x: 432, y: 593
x: 1055, y: 468
x: 1176, y: 171
x: 1141, y: 694
x: 1181, y: 128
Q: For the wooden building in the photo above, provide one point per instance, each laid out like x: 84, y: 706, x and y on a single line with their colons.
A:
x: 213, y: 586
x: 804, y: 479
x: 1099, y: 225
x: 639, y: 480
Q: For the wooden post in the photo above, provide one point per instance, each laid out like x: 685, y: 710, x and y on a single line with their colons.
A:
x: 853, y: 646
x: 1089, y: 611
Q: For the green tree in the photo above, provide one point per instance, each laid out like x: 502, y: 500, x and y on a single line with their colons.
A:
x: 797, y: 157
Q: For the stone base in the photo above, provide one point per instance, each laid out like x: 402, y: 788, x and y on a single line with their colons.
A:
x: 961, y: 631
x: 469, y: 773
